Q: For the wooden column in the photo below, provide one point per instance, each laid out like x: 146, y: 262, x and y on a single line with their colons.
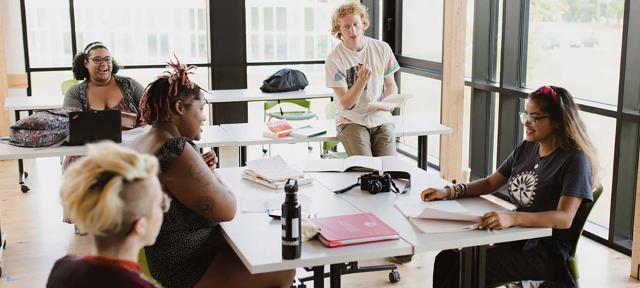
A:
x: 453, y: 52
x: 635, y: 249
x: 4, y: 85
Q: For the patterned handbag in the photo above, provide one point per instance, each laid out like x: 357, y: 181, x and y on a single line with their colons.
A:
x: 42, y: 128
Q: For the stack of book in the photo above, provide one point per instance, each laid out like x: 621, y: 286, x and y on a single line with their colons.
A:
x: 300, y: 129
x: 273, y: 172
x: 277, y: 129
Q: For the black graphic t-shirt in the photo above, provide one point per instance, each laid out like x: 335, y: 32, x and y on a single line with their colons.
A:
x: 536, y: 183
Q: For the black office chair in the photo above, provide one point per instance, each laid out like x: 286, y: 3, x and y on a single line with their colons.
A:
x: 352, y: 268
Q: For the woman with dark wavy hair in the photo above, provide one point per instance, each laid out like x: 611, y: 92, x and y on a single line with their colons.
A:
x: 102, y: 88
x: 548, y: 176
x: 190, y: 250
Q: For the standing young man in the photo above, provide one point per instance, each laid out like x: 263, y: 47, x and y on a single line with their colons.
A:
x: 360, y: 71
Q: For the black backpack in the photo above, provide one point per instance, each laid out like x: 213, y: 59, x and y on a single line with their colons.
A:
x: 284, y: 80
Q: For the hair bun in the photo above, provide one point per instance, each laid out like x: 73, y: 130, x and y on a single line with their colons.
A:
x: 179, y: 75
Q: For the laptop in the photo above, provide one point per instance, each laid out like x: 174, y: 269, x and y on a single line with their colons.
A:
x: 92, y: 126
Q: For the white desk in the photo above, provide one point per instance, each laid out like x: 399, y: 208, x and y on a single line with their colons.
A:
x: 254, y: 94
x: 26, y: 103
x: 212, y: 136
x: 382, y: 205
x: 264, y: 255
x: 54, y: 101
x: 251, y: 134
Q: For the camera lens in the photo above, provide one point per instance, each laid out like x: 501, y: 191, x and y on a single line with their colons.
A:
x: 376, y: 187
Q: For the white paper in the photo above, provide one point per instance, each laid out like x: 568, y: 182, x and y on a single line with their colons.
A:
x: 273, y: 169
x: 389, y: 103
x: 442, y: 226
x: 442, y: 210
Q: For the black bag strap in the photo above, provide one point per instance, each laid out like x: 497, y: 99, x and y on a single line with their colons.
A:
x: 400, y: 175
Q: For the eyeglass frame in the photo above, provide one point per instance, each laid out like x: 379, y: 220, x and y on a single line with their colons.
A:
x: 524, y: 118
x: 99, y: 60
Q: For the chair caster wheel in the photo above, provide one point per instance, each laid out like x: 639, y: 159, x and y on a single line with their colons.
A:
x: 4, y: 244
x: 25, y: 175
x: 24, y: 188
x: 264, y: 151
x: 394, y: 276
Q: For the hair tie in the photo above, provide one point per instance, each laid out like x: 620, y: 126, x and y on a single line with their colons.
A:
x: 179, y: 75
x: 546, y: 90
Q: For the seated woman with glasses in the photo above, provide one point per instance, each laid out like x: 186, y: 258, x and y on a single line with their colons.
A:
x: 548, y: 176
x: 102, y: 88
x: 190, y: 250
x: 113, y: 194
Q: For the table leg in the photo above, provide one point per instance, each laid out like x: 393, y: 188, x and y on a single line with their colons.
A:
x: 243, y: 155
x: 217, y: 151
x: 318, y: 277
x: 473, y: 267
x: 335, y: 271
x: 422, y: 152
x: 22, y: 175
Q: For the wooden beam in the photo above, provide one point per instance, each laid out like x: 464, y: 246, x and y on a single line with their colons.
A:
x: 17, y: 80
x: 4, y: 85
x: 635, y: 249
x: 452, y: 110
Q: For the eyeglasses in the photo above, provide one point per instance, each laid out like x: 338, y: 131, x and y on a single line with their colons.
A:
x: 99, y: 60
x: 524, y: 118
x: 166, y: 203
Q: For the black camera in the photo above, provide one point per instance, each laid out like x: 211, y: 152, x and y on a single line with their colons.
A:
x: 375, y: 183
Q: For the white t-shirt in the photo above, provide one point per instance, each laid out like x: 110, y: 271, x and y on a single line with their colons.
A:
x: 341, y: 70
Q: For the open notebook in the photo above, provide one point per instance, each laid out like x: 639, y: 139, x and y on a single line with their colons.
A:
x: 439, y: 216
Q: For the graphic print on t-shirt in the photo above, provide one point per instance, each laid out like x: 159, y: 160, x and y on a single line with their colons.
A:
x: 522, y: 188
x: 352, y: 76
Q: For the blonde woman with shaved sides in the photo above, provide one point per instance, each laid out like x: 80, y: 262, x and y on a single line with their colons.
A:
x: 114, y: 194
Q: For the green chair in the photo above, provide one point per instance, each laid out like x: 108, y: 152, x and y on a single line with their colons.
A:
x: 68, y: 84
x: 292, y: 115
x: 273, y: 109
x: 581, y: 216
x: 329, y: 147
x: 144, y: 267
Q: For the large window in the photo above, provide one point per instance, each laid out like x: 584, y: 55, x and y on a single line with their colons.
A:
x: 425, y: 105
x: 602, y: 131
x: 137, y: 33
x: 289, y: 30
x: 576, y: 44
x: 49, y: 33
x: 422, y: 29
x: 145, y: 32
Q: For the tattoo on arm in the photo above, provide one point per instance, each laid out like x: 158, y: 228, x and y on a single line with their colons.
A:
x: 205, y: 205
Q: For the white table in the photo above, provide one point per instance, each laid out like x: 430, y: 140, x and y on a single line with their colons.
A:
x: 212, y: 136
x: 254, y: 94
x: 251, y: 134
x: 252, y: 223
x: 474, y: 242
x: 54, y: 101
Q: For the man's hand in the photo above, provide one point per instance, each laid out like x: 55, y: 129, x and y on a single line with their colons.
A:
x: 364, y: 73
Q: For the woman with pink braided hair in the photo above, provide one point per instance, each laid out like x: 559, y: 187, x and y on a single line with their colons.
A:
x: 190, y: 250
